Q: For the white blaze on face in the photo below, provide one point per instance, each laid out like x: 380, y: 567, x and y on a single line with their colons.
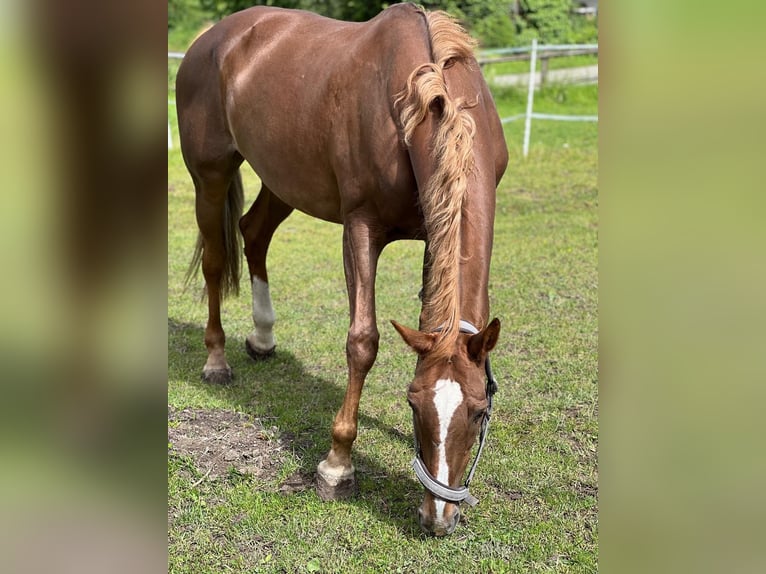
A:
x: 263, y: 316
x: 447, y: 398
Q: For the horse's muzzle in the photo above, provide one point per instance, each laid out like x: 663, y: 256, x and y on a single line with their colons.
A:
x: 438, y: 527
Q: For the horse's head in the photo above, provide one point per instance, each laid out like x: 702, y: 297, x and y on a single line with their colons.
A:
x: 449, y: 398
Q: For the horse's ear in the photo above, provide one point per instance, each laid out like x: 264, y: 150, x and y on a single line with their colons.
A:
x: 480, y: 344
x: 421, y: 342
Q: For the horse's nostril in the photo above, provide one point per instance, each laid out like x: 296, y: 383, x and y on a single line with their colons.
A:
x: 455, y: 520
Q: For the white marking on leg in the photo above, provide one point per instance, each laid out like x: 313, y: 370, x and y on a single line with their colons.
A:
x: 263, y: 317
x: 447, y: 398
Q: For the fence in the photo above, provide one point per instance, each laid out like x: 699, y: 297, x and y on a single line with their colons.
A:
x: 172, y: 56
x: 532, y: 53
x: 545, y: 52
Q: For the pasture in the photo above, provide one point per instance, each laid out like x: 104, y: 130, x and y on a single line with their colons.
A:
x: 240, y: 497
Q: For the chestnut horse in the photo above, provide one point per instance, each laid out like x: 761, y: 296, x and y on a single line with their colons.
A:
x: 388, y: 128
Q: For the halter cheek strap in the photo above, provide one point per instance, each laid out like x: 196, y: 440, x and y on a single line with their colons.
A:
x: 439, y: 489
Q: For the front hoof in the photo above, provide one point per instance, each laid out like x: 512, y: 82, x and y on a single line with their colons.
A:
x: 257, y: 354
x: 218, y: 376
x: 335, y: 483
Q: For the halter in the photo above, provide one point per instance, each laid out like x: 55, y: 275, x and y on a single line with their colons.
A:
x: 439, y: 489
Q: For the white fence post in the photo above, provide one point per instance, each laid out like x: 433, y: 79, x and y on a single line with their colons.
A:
x: 512, y: 54
x: 530, y: 96
x: 177, y: 56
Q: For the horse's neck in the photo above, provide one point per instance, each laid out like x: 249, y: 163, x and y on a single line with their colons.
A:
x: 476, y: 251
x: 474, y: 282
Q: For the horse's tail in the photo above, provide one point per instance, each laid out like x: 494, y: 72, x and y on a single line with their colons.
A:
x: 441, y: 199
x: 232, y: 211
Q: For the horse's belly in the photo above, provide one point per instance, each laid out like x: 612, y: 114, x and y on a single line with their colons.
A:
x: 317, y: 204
x: 302, y: 187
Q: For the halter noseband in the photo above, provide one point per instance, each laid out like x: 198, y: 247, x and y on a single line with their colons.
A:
x: 439, y: 489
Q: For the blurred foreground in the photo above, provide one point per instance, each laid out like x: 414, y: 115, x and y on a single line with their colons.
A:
x: 83, y: 343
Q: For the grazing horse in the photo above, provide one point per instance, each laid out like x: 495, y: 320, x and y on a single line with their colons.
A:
x: 386, y: 127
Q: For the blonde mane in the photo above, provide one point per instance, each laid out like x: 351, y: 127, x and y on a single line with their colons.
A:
x: 443, y: 196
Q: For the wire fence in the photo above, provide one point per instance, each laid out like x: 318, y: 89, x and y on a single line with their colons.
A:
x: 532, y: 53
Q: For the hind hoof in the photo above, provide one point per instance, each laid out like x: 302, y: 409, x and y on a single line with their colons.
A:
x: 335, y: 484
x: 257, y: 354
x: 218, y: 376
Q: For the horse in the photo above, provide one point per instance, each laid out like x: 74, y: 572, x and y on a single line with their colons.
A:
x: 388, y: 128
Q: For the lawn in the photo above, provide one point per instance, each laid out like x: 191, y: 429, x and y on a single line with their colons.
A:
x: 538, y: 479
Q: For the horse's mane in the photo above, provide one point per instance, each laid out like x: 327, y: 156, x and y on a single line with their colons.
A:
x: 443, y: 196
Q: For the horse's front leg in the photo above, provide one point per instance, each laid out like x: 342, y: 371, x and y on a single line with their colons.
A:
x: 361, y: 248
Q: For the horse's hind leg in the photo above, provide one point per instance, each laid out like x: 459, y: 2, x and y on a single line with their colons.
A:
x: 211, y: 156
x: 219, y: 199
x: 258, y: 226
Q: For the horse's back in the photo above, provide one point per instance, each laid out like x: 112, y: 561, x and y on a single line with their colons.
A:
x: 308, y: 101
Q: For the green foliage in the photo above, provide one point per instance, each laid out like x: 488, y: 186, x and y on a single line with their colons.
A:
x: 496, y: 23
x: 352, y: 10
x: 585, y: 30
x: 185, y: 19
x: 488, y: 20
x: 220, y: 8
x: 550, y: 21
x: 495, y: 30
x: 186, y: 13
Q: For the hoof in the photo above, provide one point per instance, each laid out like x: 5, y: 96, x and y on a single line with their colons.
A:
x: 257, y: 354
x: 218, y: 376
x: 335, y: 484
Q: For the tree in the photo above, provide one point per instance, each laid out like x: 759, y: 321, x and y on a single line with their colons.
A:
x: 493, y: 22
x: 550, y: 21
x: 184, y: 12
x: 185, y: 19
x: 353, y: 10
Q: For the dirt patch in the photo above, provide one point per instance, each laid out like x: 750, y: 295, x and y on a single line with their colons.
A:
x: 219, y: 440
x: 585, y: 489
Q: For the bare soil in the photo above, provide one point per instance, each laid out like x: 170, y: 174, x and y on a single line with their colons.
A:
x: 219, y: 441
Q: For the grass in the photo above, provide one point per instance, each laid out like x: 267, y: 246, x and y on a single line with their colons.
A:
x: 538, y: 479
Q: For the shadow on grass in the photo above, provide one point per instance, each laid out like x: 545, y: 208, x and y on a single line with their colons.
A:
x: 283, y: 392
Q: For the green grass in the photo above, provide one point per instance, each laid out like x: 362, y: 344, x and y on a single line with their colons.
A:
x: 537, y: 481
x: 522, y: 66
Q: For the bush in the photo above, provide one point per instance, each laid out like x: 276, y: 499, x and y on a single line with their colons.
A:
x: 496, y: 23
x: 550, y: 21
x: 495, y: 31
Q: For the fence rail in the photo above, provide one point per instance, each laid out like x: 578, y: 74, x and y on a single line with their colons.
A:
x: 532, y: 53
x: 544, y: 48
x: 545, y: 53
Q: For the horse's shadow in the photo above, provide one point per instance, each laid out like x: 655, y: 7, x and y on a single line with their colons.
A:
x: 283, y: 392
